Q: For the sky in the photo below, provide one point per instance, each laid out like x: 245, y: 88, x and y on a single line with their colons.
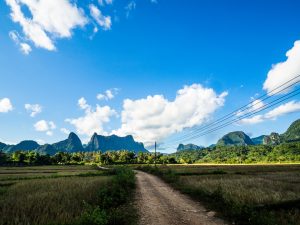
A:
x: 154, y: 69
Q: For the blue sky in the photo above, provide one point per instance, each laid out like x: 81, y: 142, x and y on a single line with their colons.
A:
x: 137, y: 49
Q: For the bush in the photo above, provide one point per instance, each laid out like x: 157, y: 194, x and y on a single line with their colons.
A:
x: 111, y: 203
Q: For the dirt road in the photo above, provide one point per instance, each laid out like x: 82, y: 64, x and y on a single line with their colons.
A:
x: 159, y: 204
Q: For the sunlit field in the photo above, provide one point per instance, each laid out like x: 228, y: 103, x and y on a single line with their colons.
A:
x: 246, y: 194
x: 56, y: 195
x: 15, y: 173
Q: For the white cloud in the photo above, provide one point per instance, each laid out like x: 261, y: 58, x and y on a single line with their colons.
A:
x: 65, y: 131
x: 41, y: 141
x: 93, y: 119
x: 14, y: 36
x: 252, y: 120
x: 5, y: 105
x: 155, y: 117
x: 49, y: 133
x: 33, y: 109
x: 41, y: 125
x: 284, y: 109
x: 284, y: 71
x: 49, y: 20
x: 108, y: 2
x: 45, y: 126
x: 281, y: 110
x: 82, y: 103
x: 103, y: 21
x: 108, y: 94
x: 254, y: 107
x: 24, y: 47
x: 130, y: 6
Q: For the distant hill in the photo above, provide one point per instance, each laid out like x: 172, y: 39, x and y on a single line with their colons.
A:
x: 236, y: 138
x: 27, y: 145
x: 72, y: 144
x: 182, y: 147
x: 258, y: 140
x: 114, y: 143
x: 293, y: 132
x: 46, y: 149
x: 2, y: 145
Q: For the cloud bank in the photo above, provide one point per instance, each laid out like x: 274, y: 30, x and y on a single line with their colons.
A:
x: 155, y: 117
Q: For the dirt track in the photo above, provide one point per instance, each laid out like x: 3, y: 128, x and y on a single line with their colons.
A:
x: 159, y: 204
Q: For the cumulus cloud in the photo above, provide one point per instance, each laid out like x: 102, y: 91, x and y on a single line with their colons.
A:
x: 33, y: 109
x: 284, y: 109
x: 5, y: 105
x: 82, y: 103
x: 45, y: 126
x: 93, y: 119
x: 24, y: 47
x: 287, y: 108
x: 254, y: 107
x: 65, y: 131
x: 155, y: 117
x: 49, y: 20
x: 102, y: 21
x: 284, y: 71
x: 108, y: 94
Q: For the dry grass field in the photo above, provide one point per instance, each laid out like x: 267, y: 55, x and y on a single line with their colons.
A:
x: 245, y: 194
x: 55, y: 195
x: 19, y: 173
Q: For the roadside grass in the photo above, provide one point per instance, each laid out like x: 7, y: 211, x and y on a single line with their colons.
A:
x: 260, y: 195
x: 89, y: 196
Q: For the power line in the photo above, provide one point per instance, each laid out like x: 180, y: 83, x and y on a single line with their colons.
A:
x: 275, y: 102
x: 244, y: 108
x: 205, y: 130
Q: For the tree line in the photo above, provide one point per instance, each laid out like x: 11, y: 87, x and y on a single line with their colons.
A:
x: 286, y: 152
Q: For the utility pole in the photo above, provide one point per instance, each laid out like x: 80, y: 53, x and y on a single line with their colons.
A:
x: 155, y: 155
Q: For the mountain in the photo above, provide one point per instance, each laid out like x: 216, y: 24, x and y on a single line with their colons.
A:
x: 27, y: 145
x: 2, y: 145
x: 46, y: 149
x: 114, y: 143
x: 258, y: 140
x: 293, y: 132
x: 72, y: 144
x: 238, y: 138
x: 272, y: 139
x: 182, y: 147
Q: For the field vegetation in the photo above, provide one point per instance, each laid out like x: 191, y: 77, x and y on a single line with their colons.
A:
x: 282, y: 153
x: 244, y: 194
x: 66, y: 195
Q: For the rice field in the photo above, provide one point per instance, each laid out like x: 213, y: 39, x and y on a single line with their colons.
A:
x: 32, y: 195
